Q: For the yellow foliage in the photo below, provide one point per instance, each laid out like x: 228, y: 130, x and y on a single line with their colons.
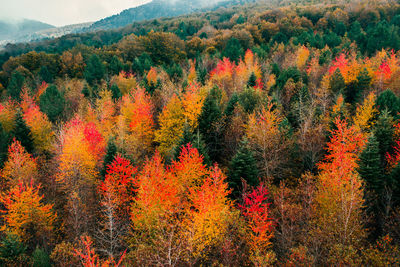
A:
x: 125, y: 82
x: 192, y: 102
x: 365, y: 113
x: 302, y: 56
x: 172, y: 122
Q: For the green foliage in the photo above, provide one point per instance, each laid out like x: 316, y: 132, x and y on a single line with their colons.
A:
x: 22, y: 133
x: 111, y: 151
x: 370, y: 166
x: 336, y: 83
x: 387, y: 100
x: 384, y: 132
x: 94, y: 70
x: 40, y: 258
x: 242, y: 166
x: 5, y: 141
x: 233, y: 50
x: 52, y: 102
x: 174, y: 72
x: 115, y: 66
x: 116, y: 92
x: 46, y: 75
x: 249, y: 99
x: 15, y: 85
x: 12, y: 250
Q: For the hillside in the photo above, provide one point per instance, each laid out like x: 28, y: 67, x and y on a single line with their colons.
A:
x: 264, y: 134
x: 158, y: 9
x: 10, y: 30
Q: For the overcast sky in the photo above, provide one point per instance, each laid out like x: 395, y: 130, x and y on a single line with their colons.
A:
x: 64, y: 12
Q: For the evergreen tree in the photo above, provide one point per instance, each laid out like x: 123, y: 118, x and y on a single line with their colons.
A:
x: 370, y: 165
x: 12, y: 250
x: 111, y: 151
x: 384, y: 132
x: 387, y: 100
x: 86, y: 91
x: 95, y: 70
x: 208, y: 120
x: 242, y: 166
x: 40, y: 258
x: 46, y: 75
x: 52, y: 102
x: 252, y: 80
x: 115, y: 66
x: 230, y: 107
x: 116, y: 92
x: 196, y: 140
x: 233, y: 50
x: 249, y: 99
x: 336, y: 82
x: 5, y: 141
x: 15, y: 86
x: 22, y: 133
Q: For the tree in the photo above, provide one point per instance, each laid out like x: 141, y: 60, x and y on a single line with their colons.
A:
x: 20, y: 166
x: 257, y: 213
x: 52, y: 102
x: 233, y: 50
x: 46, y: 75
x: 40, y: 258
x: 208, y: 122
x: 242, y: 166
x: 339, y: 197
x: 15, y: 85
x: 336, y: 82
x: 111, y: 152
x: 12, y: 250
x: 116, y: 93
x: 116, y: 196
x: 25, y: 215
x: 389, y: 101
x: 22, y: 133
x: 115, y: 66
x: 94, y: 70
x: 172, y: 121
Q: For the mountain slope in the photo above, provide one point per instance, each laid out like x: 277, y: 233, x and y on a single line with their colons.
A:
x: 158, y: 9
x: 10, y: 30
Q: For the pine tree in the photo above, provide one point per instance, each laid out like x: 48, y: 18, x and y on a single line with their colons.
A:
x: 46, y: 75
x: 12, y: 250
x: 15, y: 86
x: 5, y: 141
x: 384, y: 132
x: 111, y: 151
x: 52, y: 102
x: 196, y: 140
x: 95, y: 70
x: 115, y: 66
x: 22, y: 133
x: 242, y: 166
x: 387, y: 100
x: 370, y: 166
x: 252, y: 80
x: 230, y: 107
x: 336, y: 82
x: 209, y: 117
x: 116, y: 92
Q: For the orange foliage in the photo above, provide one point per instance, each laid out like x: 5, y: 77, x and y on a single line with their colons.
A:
x: 192, y: 102
x: 23, y: 210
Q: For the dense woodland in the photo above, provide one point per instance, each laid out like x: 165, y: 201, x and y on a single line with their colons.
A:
x: 258, y: 135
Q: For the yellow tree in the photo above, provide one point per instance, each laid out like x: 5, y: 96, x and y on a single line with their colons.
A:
x: 267, y: 140
x: 172, y: 121
x: 192, y: 102
x: 363, y: 119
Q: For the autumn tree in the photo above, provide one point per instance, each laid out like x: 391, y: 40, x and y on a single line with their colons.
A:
x: 339, y: 197
x: 20, y: 166
x: 52, y: 102
x: 25, y: 215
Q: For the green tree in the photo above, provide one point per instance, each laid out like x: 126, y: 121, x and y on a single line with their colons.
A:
x: 95, y: 70
x: 370, y: 165
x: 116, y: 92
x: 336, y: 82
x: 115, y: 66
x: 233, y: 50
x: 252, y: 80
x: 111, y: 151
x: 46, y: 75
x: 15, y: 86
x: 208, y: 123
x: 5, y: 141
x: 384, y: 132
x: 242, y: 166
x: 40, y: 258
x: 387, y: 100
x: 52, y: 102
x: 12, y: 251
x: 22, y: 133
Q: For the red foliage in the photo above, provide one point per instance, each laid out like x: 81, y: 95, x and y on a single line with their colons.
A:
x: 340, y: 63
x: 95, y: 140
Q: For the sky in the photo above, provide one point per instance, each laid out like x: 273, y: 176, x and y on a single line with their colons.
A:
x: 64, y: 12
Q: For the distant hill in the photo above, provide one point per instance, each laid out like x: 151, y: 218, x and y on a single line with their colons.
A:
x: 160, y: 8
x: 15, y: 29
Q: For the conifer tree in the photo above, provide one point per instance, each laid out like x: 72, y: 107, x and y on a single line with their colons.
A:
x: 336, y: 82
x: 242, y: 166
x: 95, y: 70
x: 15, y: 86
x: 387, y: 100
x: 370, y: 167
x: 116, y: 92
x: 22, y: 133
x: 52, y: 102
x: 111, y: 151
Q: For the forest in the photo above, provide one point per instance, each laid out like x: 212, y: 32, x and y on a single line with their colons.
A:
x: 266, y: 134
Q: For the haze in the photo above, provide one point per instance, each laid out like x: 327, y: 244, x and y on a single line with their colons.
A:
x: 64, y: 12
